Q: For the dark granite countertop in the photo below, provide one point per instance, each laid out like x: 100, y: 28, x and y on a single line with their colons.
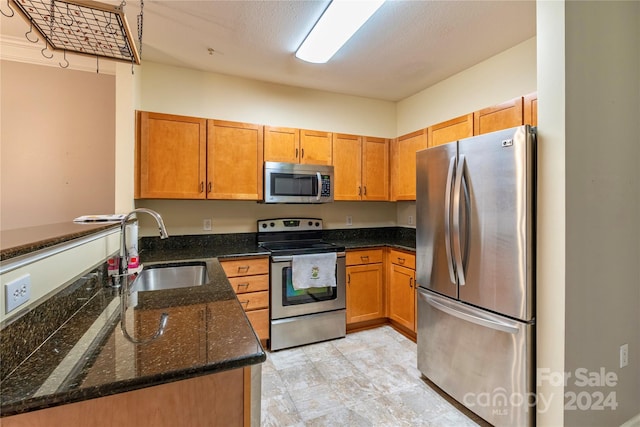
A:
x: 207, y: 332
x: 87, y: 356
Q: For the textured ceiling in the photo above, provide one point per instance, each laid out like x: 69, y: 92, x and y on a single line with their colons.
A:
x: 406, y: 47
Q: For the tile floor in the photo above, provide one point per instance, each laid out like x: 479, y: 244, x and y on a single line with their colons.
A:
x: 368, y: 378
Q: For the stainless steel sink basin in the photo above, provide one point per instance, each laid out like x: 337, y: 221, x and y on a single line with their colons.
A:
x: 170, y: 276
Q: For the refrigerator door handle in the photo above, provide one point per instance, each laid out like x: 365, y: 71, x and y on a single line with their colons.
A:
x: 457, y: 246
x: 468, y: 315
x: 447, y: 219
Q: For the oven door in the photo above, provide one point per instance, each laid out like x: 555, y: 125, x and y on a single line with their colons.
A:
x: 288, y: 302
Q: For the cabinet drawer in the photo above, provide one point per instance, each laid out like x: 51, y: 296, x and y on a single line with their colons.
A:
x: 260, y: 322
x: 245, y: 267
x: 244, y: 284
x: 404, y: 259
x: 369, y: 256
x: 254, y: 300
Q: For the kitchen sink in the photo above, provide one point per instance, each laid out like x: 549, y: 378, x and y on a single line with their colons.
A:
x: 170, y: 276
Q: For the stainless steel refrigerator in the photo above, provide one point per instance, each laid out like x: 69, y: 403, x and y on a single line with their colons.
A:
x: 475, y: 258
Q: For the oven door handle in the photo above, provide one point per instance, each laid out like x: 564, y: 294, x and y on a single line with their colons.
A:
x: 285, y: 258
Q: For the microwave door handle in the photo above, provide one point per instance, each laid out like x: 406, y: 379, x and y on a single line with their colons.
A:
x: 319, y: 185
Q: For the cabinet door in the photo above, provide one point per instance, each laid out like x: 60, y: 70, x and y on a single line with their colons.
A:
x: 530, y: 109
x: 171, y: 156
x: 403, y: 164
x: 234, y: 161
x: 347, y: 151
x: 451, y: 130
x: 501, y: 116
x: 183, y: 344
x: 375, y: 168
x: 315, y: 147
x: 364, y: 293
x: 281, y: 144
x: 402, y: 296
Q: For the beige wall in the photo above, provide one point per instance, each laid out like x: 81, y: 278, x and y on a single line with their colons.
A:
x: 57, y: 144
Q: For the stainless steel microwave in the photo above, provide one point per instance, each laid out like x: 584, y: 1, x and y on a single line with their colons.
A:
x: 298, y: 183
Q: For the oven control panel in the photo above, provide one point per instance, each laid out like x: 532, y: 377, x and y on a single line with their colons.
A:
x: 289, y: 224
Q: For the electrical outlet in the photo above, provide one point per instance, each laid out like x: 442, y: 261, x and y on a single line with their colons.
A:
x: 624, y: 355
x: 410, y: 221
x: 17, y: 293
x: 206, y: 224
x: 349, y: 220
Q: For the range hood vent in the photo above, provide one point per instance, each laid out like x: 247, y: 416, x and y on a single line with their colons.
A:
x: 84, y: 27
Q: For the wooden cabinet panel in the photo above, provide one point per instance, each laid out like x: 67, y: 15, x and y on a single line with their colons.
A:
x: 451, y: 130
x: 250, y: 280
x: 254, y: 300
x: 171, y: 153
x: 404, y: 259
x: 242, y: 284
x: 364, y: 256
x: 281, y: 144
x: 245, y: 267
x: 364, y: 293
x: 210, y: 400
x: 375, y: 168
x: 402, y: 296
x: 315, y: 147
x: 498, y: 117
x: 347, y: 165
x: 530, y: 109
x: 235, y: 159
x: 259, y: 320
x: 403, y: 164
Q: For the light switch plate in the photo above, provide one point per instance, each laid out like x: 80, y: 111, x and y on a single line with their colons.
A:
x: 17, y: 292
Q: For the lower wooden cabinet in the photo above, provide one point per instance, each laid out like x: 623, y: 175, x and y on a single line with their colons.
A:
x: 402, y: 289
x: 365, y: 285
x: 249, y: 278
x: 222, y: 399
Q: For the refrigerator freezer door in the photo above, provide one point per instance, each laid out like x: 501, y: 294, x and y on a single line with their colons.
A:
x: 435, y: 169
x: 484, y: 361
x: 498, y: 209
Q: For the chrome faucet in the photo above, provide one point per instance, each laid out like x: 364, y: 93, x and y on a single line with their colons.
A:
x: 122, y: 279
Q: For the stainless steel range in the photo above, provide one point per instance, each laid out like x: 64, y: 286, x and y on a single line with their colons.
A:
x: 308, y: 282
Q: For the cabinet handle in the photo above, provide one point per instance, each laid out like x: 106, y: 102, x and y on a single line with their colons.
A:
x: 364, y: 257
x: 365, y: 190
x: 296, y: 153
x: 348, y: 279
x: 209, y: 187
x: 302, y: 153
x: 359, y: 190
x: 411, y: 282
x: 401, y: 260
x: 201, y: 186
x: 243, y: 267
x: 245, y: 304
x: 244, y: 285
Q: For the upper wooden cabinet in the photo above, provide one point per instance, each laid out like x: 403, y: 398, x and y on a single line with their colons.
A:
x: 171, y: 156
x: 361, y: 166
x: 181, y: 157
x: 281, y: 144
x: 451, y: 130
x: 530, y: 109
x: 502, y: 116
x: 316, y: 147
x: 297, y: 146
x: 235, y: 158
x: 403, y: 164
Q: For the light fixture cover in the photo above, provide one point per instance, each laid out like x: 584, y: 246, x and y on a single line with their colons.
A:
x: 338, y: 23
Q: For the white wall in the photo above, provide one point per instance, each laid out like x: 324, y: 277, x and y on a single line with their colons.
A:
x: 507, y: 75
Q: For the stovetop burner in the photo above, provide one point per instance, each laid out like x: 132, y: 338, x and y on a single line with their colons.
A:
x: 294, y: 236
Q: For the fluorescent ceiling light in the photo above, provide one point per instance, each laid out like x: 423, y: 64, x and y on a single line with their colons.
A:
x: 336, y: 25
